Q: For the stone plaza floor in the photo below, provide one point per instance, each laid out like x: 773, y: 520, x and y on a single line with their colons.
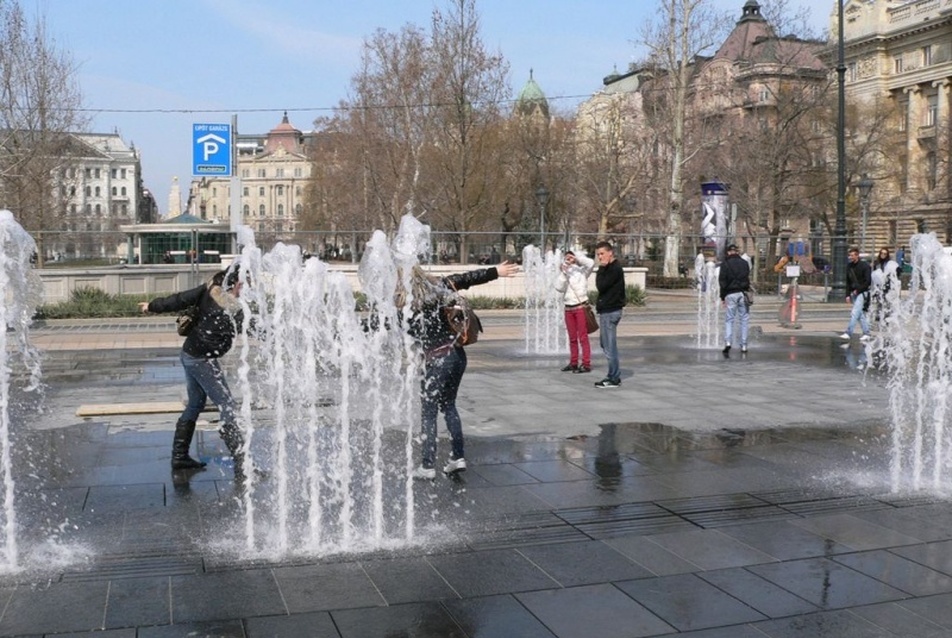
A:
x: 707, y: 496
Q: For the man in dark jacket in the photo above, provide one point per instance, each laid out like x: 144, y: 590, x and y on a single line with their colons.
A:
x: 610, y: 283
x: 734, y: 280
x: 859, y: 278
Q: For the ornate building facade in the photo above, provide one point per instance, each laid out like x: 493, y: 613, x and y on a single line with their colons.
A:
x: 273, y: 171
x: 900, y: 52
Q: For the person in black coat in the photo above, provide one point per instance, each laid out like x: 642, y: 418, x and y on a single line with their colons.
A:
x: 444, y: 357
x: 218, y: 318
x: 610, y: 283
x: 859, y: 278
x: 734, y: 279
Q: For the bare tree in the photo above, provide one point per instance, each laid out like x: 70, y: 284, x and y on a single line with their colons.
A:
x: 39, y: 106
x: 682, y: 30
x: 470, y: 84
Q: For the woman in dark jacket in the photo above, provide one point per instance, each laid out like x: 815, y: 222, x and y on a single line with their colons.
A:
x: 219, y: 316
x: 444, y: 358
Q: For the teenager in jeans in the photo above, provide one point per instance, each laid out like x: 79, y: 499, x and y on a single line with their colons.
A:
x: 444, y: 358
x: 219, y: 316
x: 573, y: 284
x: 610, y: 282
x: 734, y: 279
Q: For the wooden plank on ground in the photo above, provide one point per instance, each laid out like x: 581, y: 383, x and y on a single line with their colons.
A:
x: 107, y: 409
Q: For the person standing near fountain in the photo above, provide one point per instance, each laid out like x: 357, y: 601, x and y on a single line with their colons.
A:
x: 884, y: 278
x: 610, y: 282
x: 573, y: 284
x: 219, y: 315
x: 734, y: 280
x: 444, y: 357
x: 858, y: 281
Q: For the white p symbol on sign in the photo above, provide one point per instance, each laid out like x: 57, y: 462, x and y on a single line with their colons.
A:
x: 210, y: 145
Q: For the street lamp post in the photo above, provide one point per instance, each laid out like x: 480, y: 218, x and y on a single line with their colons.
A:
x: 865, y: 187
x: 542, y: 196
x: 838, y: 289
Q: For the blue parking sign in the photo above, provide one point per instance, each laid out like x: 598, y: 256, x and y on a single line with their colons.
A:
x: 211, y: 150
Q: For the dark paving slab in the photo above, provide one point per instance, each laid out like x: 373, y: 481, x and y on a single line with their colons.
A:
x: 660, y: 510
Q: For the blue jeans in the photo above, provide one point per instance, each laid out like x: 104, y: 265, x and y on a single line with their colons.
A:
x: 858, y: 313
x: 441, y: 379
x: 608, y: 340
x: 204, y: 380
x: 736, y: 307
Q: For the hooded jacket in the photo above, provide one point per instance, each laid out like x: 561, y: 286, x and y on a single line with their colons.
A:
x: 219, y: 315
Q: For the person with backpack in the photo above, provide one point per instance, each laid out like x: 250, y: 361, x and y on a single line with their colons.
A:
x: 434, y: 304
x: 216, y: 322
x: 734, y: 281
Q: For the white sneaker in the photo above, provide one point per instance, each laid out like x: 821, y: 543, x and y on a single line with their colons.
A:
x: 845, y: 336
x: 457, y: 465
x: 424, y: 473
x: 865, y: 338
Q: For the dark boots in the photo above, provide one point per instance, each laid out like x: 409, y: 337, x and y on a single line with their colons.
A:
x: 181, y: 441
x: 235, y: 442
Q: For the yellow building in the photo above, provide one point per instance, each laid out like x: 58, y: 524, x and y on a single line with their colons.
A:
x: 273, y: 170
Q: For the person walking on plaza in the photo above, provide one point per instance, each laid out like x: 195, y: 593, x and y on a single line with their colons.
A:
x: 610, y: 283
x: 884, y: 279
x: 734, y: 280
x: 215, y: 326
x: 573, y: 284
x: 858, y: 282
x: 444, y: 357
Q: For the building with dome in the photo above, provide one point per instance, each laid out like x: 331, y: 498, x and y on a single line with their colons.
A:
x: 273, y: 169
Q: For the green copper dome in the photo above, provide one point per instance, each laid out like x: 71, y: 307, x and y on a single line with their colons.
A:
x: 532, y: 99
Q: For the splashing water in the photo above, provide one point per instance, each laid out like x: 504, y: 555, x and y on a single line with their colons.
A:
x: 545, y: 308
x: 916, y: 349
x: 20, y: 290
x: 342, y: 388
x: 708, y: 303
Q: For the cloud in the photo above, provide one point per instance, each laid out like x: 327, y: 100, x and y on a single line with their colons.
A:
x: 280, y: 32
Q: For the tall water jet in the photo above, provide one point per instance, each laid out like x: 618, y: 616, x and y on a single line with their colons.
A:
x: 708, y: 302
x: 545, y: 308
x: 337, y: 381
x: 916, y: 350
x: 20, y: 291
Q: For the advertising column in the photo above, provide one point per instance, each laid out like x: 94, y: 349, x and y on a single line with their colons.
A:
x: 714, y: 219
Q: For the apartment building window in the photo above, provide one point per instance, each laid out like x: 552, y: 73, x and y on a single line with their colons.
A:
x: 89, y: 191
x: 98, y: 209
x: 246, y: 210
x: 851, y: 71
x: 245, y: 172
x: 897, y: 64
x: 932, y: 111
x: 125, y: 209
x: 279, y: 172
x: 89, y: 173
x: 261, y: 172
x: 261, y: 210
x: 297, y: 191
x: 927, y: 55
x: 261, y: 191
x: 932, y: 167
x: 98, y: 192
x: 279, y: 190
x: 280, y: 210
x: 297, y: 209
x: 214, y: 192
x: 298, y: 172
x: 97, y: 174
x: 764, y: 95
x: 89, y: 208
x: 244, y: 191
x: 214, y: 211
x: 114, y: 172
x: 122, y: 191
x: 114, y: 191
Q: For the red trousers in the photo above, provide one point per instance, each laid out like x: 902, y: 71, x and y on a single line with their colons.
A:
x: 578, y: 335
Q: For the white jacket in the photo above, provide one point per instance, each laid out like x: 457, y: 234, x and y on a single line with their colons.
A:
x: 574, y: 284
